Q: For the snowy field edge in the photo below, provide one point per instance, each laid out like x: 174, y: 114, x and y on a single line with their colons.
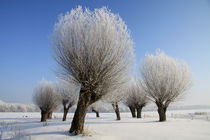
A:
x: 180, y: 124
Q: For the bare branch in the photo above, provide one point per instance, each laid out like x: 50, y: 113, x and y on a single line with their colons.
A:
x: 94, y: 49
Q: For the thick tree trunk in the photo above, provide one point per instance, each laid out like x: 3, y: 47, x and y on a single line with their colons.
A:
x: 77, y: 124
x: 133, y: 111
x: 116, y: 109
x: 65, y: 112
x: 161, y: 112
x: 139, y: 109
x: 97, y: 113
x: 44, y: 116
x: 49, y: 115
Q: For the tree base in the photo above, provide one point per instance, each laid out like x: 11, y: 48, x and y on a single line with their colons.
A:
x: 117, y: 111
x: 77, y: 124
x: 162, y: 114
x: 139, y: 110
x: 133, y: 111
x: 43, y: 116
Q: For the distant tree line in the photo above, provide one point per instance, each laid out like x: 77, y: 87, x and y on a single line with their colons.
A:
x: 14, y: 107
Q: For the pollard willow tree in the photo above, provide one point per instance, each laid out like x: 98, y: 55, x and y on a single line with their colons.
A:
x: 115, y: 97
x: 95, y: 50
x: 45, y: 98
x: 136, y: 99
x: 68, y: 95
x: 165, y: 79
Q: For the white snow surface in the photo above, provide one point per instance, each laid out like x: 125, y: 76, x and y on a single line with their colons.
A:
x: 180, y: 125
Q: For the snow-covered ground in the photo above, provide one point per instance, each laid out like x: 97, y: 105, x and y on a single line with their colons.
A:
x: 180, y: 125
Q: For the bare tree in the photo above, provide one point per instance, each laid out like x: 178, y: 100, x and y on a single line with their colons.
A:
x: 45, y: 98
x: 95, y: 50
x: 131, y: 98
x: 136, y: 99
x: 130, y: 102
x: 117, y: 110
x: 94, y: 108
x: 165, y: 79
x: 116, y: 97
x: 141, y: 98
x: 68, y: 93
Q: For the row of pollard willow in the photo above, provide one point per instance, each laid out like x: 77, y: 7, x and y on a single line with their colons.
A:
x: 95, y: 50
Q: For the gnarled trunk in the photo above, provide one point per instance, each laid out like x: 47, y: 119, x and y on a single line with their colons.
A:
x: 133, y: 111
x: 44, y: 116
x: 49, y: 115
x: 139, y: 109
x: 77, y: 124
x: 161, y: 112
x: 97, y: 113
x: 116, y: 109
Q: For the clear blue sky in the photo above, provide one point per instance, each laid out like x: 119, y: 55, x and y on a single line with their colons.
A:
x: 180, y: 28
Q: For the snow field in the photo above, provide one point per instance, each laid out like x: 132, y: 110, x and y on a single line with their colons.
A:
x: 179, y: 126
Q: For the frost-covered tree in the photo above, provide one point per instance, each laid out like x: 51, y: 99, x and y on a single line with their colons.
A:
x: 165, y: 79
x: 68, y: 94
x: 45, y: 98
x: 95, y: 50
x: 116, y: 97
x: 136, y: 99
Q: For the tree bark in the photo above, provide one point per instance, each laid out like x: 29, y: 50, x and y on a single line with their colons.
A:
x: 116, y: 109
x: 65, y: 112
x: 44, y: 116
x: 139, y: 109
x: 162, y: 112
x: 133, y: 111
x: 77, y: 124
x: 97, y: 113
x: 49, y: 115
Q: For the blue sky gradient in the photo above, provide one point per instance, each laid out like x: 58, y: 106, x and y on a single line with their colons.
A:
x: 180, y: 28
